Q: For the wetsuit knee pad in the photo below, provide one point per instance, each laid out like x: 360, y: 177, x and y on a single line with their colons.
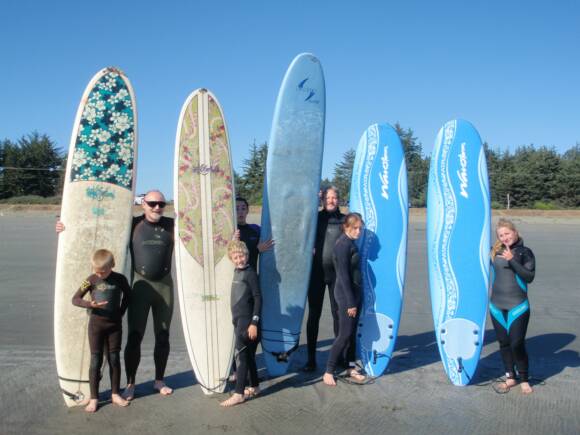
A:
x: 517, y: 344
x: 96, y: 361
x: 162, y: 339
x: 134, y: 339
x: 114, y: 358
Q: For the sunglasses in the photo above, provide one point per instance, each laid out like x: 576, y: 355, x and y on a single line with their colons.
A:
x: 153, y: 204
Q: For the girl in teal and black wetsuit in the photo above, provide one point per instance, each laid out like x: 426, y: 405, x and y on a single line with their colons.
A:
x: 513, y: 269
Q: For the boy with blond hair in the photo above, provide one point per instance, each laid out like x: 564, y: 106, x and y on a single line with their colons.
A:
x: 109, y: 298
x: 246, y: 304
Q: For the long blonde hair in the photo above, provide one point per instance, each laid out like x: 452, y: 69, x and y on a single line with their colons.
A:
x: 498, y: 245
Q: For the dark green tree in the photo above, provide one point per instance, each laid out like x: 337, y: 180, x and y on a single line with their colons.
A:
x: 342, y: 175
x: 568, y: 179
x: 32, y: 166
x: 534, y: 175
x: 250, y: 184
x: 417, y: 166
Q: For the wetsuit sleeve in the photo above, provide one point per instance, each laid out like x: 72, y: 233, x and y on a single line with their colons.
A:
x: 126, y: 291
x: 343, y: 273
x: 256, y: 295
x: 77, y: 299
x: 527, y: 269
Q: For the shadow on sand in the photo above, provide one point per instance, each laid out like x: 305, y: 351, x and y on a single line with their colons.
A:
x: 546, y: 354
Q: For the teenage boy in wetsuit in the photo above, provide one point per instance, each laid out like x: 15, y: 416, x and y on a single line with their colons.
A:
x: 246, y: 304
x: 151, y: 249
x: 109, y: 299
x: 250, y: 233
x: 328, y: 230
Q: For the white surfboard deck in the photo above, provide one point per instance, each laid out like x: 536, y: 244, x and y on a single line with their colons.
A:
x: 96, y: 210
x: 204, y: 224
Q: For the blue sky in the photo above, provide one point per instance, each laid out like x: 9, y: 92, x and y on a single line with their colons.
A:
x: 512, y: 68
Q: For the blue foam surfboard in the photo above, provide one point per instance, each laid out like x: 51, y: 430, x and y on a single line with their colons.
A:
x: 290, y: 206
x: 458, y: 242
x: 379, y: 193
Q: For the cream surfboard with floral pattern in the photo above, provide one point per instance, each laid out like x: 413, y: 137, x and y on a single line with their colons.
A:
x: 204, y: 224
x: 96, y: 210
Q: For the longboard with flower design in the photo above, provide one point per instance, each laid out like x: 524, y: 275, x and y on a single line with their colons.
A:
x: 205, y: 223
x: 96, y: 210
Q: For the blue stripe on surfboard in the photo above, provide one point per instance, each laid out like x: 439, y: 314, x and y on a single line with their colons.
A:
x: 379, y: 194
x: 458, y: 236
x: 290, y: 206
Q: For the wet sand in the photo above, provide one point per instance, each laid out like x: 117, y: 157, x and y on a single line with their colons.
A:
x: 414, y: 396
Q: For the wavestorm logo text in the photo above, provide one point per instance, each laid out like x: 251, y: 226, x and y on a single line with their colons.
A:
x: 384, y: 176
x: 462, y: 173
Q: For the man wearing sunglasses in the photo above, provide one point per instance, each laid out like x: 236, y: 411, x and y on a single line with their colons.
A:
x: 151, y: 248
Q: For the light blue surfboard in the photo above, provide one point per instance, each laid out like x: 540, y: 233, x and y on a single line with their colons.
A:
x: 379, y: 193
x: 458, y: 242
x: 290, y: 206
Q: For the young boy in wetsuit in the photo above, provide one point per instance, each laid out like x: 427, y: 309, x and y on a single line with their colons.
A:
x: 109, y: 299
x: 246, y: 304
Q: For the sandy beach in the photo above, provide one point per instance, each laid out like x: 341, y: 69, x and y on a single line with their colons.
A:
x: 414, y: 396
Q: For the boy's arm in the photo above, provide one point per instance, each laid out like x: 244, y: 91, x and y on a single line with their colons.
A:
x: 257, y: 295
x: 77, y: 299
x: 126, y: 290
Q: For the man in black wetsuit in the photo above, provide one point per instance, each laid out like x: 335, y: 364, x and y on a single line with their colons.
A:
x: 151, y: 246
x: 328, y: 230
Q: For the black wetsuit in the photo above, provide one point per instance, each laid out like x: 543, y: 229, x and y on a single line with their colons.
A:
x: 328, y: 230
x: 250, y: 235
x: 151, y: 253
x: 105, y: 326
x: 246, y: 304
x: 510, y: 309
x: 347, y: 292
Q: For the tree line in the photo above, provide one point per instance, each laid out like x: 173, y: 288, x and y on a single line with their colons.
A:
x: 529, y: 177
x: 32, y: 165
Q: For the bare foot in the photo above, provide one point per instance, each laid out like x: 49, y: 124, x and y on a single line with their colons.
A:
x: 356, y: 376
x: 236, y: 399
x: 504, y: 387
x: 119, y: 401
x: 163, y: 389
x: 526, y: 388
x: 328, y: 379
x: 250, y: 392
x: 129, y: 393
x: 92, y: 406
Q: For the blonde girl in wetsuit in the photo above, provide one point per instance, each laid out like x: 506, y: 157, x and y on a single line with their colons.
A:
x: 513, y: 268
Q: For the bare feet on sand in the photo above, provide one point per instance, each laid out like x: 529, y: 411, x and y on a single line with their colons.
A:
x: 129, y: 393
x: 526, y: 388
x: 504, y: 387
x: 328, y: 379
x: 92, y: 406
x: 119, y: 401
x: 234, y: 400
x: 356, y: 376
x: 163, y: 389
x: 250, y: 392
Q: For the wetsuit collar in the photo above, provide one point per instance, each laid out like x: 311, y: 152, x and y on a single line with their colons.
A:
x: 333, y: 213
